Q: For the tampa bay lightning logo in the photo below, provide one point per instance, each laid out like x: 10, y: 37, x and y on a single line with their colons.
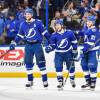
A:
x: 63, y: 43
x: 31, y: 33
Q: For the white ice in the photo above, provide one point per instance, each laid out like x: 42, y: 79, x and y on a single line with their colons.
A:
x: 14, y: 89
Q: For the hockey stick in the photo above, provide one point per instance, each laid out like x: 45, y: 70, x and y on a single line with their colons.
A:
x: 98, y: 55
x: 68, y: 72
x: 4, y: 53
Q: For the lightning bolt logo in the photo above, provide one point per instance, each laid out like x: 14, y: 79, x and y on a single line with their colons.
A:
x: 31, y: 33
x: 63, y: 43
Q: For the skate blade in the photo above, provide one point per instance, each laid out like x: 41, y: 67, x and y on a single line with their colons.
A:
x: 60, y: 89
x: 29, y: 88
x: 64, y: 84
x: 84, y: 89
x: 73, y: 86
x: 46, y: 88
x: 92, y: 89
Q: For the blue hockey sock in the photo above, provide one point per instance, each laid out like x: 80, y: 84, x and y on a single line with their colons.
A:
x: 93, y: 80
x: 60, y: 78
x: 72, y: 77
x: 44, y: 77
x: 29, y: 68
x: 44, y: 73
x: 30, y: 77
x: 87, y: 78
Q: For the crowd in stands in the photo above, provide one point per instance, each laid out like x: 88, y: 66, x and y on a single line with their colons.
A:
x: 72, y: 12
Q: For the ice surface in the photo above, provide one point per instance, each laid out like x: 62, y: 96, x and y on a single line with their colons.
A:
x: 14, y: 89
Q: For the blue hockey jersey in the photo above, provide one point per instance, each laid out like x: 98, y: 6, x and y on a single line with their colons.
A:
x: 91, y: 39
x: 32, y: 31
x: 63, y: 42
x: 11, y: 27
x: 20, y: 16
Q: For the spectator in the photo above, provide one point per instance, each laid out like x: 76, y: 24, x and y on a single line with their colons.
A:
x: 11, y: 27
x: 71, y: 16
x: 1, y: 25
x: 83, y: 9
x: 56, y: 17
x: 88, y: 2
x: 97, y: 10
x: 71, y: 11
x: 97, y: 7
x: 5, y: 9
x: 41, y: 9
x: 57, y: 4
x: 20, y: 13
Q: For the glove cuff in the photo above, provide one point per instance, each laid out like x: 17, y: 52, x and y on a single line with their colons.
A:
x: 13, y: 42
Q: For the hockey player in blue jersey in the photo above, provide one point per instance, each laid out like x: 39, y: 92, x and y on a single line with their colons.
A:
x: 32, y: 31
x: 65, y: 45
x: 88, y: 53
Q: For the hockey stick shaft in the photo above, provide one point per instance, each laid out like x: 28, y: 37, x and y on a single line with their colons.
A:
x: 68, y: 71
x: 5, y: 53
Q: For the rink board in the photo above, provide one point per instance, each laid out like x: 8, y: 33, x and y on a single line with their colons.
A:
x: 12, y: 64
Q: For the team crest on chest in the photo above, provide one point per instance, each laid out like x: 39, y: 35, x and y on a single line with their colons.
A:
x: 63, y: 43
x: 31, y: 33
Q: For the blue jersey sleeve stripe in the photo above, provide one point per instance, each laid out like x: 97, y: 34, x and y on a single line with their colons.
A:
x: 21, y: 36
x: 43, y: 33
x: 74, y: 41
x: 90, y: 43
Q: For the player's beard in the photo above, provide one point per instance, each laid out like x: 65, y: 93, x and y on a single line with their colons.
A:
x: 28, y: 19
x: 89, y: 26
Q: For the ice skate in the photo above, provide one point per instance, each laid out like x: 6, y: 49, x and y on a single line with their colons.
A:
x: 72, y: 83
x: 45, y: 84
x: 60, y: 85
x: 86, y: 86
x: 92, y: 86
x: 29, y: 84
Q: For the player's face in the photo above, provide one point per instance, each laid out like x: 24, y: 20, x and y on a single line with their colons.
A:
x: 58, y: 27
x: 28, y: 16
x: 89, y: 23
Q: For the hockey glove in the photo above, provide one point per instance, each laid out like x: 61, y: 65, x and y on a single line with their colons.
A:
x: 12, y: 45
x: 48, y: 49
